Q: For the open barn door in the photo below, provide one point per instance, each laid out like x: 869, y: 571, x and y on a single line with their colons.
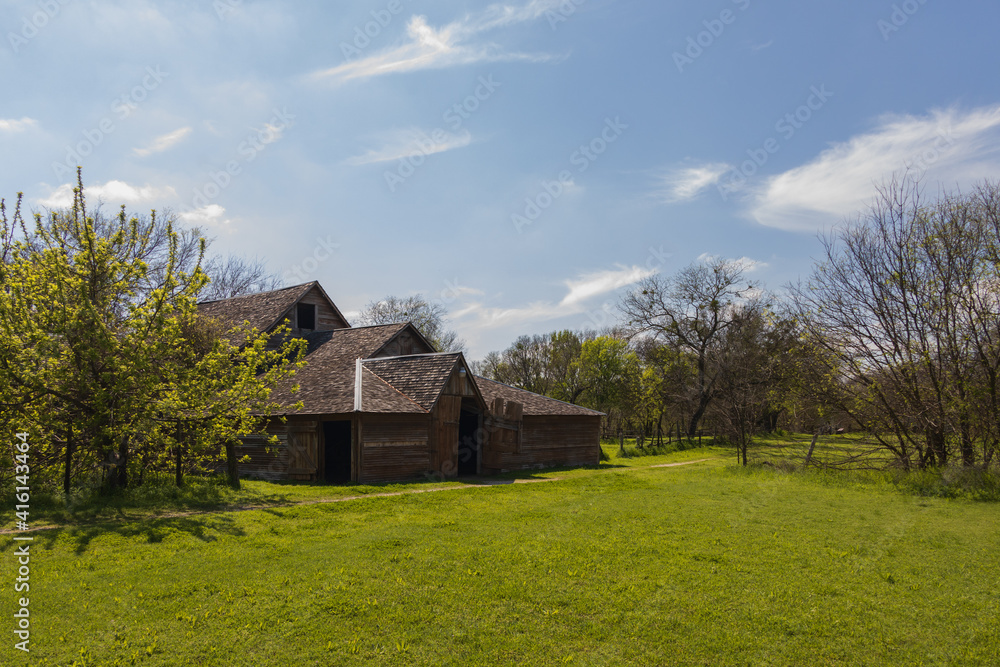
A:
x: 337, y: 452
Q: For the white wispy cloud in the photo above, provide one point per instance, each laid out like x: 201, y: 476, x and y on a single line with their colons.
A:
x: 112, y: 192
x: 13, y: 125
x: 410, y: 142
x: 688, y: 182
x: 591, y: 285
x: 454, y: 44
x: 581, y: 293
x: 948, y: 147
x: 163, y: 142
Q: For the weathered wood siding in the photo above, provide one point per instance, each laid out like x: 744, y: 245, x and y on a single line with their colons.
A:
x: 303, y: 450
x: 403, y: 344
x: 294, y: 457
x: 546, y: 441
x: 444, y: 435
x: 393, y: 447
x: 267, y: 461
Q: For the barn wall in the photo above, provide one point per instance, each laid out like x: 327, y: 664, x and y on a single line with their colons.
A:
x: 393, y: 447
x: 547, y: 441
x: 270, y: 465
x: 295, y: 457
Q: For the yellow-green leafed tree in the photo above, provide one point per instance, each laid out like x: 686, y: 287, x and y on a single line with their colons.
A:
x: 99, y: 361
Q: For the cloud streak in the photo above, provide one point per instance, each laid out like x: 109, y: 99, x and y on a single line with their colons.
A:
x: 950, y: 147
x: 685, y: 184
x: 452, y: 45
x: 164, y: 142
x: 408, y: 143
x: 580, y: 291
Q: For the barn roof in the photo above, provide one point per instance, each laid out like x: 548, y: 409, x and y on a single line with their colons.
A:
x: 534, y: 404
x: 421, y: 377
x: 328, y: 378
x: 263, y: 310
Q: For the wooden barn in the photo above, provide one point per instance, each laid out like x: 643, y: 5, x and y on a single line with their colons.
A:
x: 380, y: 404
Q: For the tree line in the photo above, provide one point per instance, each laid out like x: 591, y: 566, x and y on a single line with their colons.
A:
x: 896, y: 333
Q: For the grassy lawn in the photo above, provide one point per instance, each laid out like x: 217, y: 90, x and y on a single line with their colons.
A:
x: 703, y: 564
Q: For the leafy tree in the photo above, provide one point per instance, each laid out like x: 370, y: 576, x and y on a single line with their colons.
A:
x: 96, y: 341
x: 612, y: 372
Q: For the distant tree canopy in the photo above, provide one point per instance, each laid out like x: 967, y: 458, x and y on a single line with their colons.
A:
x: 896, y: 333
x: 428, y: 318
x: 103, y: 358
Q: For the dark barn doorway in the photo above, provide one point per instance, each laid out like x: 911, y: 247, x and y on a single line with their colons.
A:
x: 337, y: 451
x: 468, y: 443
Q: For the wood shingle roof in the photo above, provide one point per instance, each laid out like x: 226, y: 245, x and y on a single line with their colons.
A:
x: 534, y: 404
x: 327, y: 380
x: 262, y: 310
x: 421, y: 377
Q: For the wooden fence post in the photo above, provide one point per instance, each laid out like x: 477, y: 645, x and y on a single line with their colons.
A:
x: 812, y: 446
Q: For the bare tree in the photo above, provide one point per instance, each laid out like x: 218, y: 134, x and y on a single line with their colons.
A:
x: 691, y: 311
x: 234, y: 276
x: 756, y: 365
x: 428, y: 318
x: 905, y: 305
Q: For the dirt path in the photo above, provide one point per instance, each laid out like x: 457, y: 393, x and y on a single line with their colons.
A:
x: 682, y: 463
x: 485, y: 483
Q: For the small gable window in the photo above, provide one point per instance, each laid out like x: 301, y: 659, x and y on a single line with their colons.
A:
x: 305, y: 316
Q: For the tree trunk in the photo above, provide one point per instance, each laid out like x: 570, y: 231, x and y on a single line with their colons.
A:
x: 178, y: 473
x: 967, y: 446
x: 937, y: 448
x: 120, y: 474
x: 232, y: 468
x: 69, y: 461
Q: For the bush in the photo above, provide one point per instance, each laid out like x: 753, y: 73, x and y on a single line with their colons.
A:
x: 950, y: 482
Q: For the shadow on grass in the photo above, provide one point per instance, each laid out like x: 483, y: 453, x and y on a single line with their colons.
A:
x: 79, y: 537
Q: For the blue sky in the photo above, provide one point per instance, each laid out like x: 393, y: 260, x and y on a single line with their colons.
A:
x: 522, y: 163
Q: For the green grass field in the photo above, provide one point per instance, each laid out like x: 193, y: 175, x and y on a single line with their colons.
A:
x: 702, y: 564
